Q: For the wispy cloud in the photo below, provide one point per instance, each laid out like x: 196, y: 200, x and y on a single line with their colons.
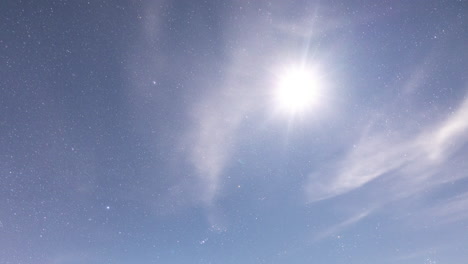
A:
x: 449, y: 136
x: 446, y: 212
x: 211, y: 140
x: 220, y: 111
x: 419, y: 156
x: 426, y: 253
x: 247, y: 78
x: 335, y: 229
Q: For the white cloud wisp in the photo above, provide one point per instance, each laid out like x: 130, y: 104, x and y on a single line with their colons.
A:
x: 417, y: 157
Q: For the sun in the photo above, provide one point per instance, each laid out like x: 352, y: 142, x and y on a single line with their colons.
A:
x: 298, y: 90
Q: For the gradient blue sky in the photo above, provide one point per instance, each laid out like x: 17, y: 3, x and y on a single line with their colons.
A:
x: 136, y: 132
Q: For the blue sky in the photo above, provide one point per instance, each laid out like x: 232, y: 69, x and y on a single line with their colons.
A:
x: 233, y: 132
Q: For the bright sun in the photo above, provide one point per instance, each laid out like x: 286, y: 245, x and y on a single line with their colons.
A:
x: 298, y: 90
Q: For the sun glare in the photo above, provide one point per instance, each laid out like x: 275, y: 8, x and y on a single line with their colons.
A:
x: 298, y: 90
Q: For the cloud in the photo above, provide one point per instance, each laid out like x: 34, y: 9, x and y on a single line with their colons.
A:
x: 211, y: 140
x: 449, y: 137
x: 426, y: 253
x: 229, y: 95
x: 379, y: 154
x: 333, y: 230
x: 447, y: 212
x: 247, y: 74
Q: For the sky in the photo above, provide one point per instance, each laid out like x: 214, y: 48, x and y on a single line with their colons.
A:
x: 153, y: 131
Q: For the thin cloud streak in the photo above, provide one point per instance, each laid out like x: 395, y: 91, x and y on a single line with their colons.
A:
x: 378, y: 155
x: 445, y: 213
x: 333, y: 230
x: 212, y: 142
x: 450, y: 136
x: 218, y: 115
x: 249, y: 74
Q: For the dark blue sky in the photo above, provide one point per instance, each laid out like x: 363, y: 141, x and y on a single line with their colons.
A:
x: 233, y: 132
